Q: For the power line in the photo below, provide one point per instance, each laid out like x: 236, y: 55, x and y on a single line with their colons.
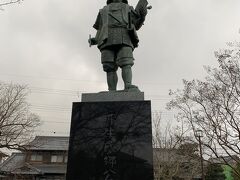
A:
x: 76, y: 80
x: 50, y: 106
x: 54, y: 132
x: 61, y: 108
x: 51, y: 78
x: 56, y: 91
x: 79, y: 92
x: 48, y: 90
x: 58, y: 122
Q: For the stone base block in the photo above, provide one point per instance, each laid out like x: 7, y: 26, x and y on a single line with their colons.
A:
x: 111, y: 141
x: 113, y: 96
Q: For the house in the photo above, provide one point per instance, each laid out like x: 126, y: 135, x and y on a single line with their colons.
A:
x: 45, y: 158
x: 225, y: 160
x: 2, y: 156
x: 175, y: 165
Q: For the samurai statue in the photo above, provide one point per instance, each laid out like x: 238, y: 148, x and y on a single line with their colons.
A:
x: 117, y: 24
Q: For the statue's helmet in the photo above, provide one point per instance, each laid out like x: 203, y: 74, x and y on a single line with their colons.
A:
x: 111, y: 1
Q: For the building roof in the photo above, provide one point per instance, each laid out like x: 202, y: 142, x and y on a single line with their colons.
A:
x: 49, y: 143
x: 25, y: 169
x: 41, y: 169
x: 51, y: 168
x: 16, y: 164
x: 223, y: 159
x: 168, y: 155
x: 3, y: 154
x: 13, y: 162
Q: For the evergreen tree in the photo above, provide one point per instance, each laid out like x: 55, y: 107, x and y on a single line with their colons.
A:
x: 215, y: 172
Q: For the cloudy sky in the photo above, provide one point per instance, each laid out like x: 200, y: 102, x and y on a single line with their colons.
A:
x: 43, y: 43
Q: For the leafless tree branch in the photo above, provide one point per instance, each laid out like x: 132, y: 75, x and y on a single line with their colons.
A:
x: 174, y: 150
x: 213, y: 105
x: 8, y: 2
x: 17, y: 123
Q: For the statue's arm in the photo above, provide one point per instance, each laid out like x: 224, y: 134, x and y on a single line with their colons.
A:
x: 138, y: 17
x: 98, y: 22
x: 97, y: 25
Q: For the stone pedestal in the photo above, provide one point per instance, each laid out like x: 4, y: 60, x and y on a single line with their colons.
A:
x: 111, y: 140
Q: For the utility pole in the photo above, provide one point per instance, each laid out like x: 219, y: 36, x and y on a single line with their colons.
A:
x: 199, y: 135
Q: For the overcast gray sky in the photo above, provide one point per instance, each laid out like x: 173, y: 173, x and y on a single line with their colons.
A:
x: 43, y: 43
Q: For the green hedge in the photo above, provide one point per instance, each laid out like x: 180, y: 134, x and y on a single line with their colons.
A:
x: 228, y: 172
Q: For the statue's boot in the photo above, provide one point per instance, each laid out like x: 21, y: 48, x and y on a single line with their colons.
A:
x: 112, y: 80
x: 127, y: 79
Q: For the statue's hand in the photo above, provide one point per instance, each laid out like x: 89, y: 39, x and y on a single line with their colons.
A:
x: 143, y: 12
x: 92, y: 41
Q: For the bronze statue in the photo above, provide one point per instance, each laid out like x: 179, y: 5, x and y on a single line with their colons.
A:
x: 116, y: 38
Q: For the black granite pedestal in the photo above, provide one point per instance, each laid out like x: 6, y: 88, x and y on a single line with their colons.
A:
x: 111, y: 141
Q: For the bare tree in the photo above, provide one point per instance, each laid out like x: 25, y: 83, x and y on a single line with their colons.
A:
x: 213, y: 105
x: 166, y: 165
x: 8, y: 2
x: 17, y: 123
x: 174, y: 151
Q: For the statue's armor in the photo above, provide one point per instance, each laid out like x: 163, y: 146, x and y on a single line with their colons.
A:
x: 117, y: 28
x: 113, y: 26
x: 116, y: 36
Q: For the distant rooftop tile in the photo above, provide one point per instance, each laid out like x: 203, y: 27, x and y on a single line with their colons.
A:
x: 51, y: 168
x: 50, y: 143
x: 13, y: 162
x: 2, y: 154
